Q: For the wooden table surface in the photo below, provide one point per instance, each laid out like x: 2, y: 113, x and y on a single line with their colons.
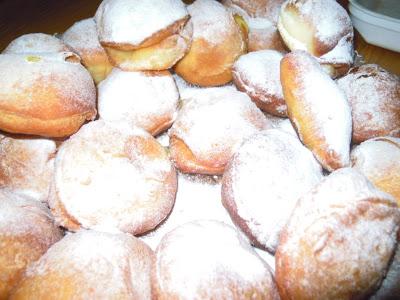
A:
x: 18, y: 17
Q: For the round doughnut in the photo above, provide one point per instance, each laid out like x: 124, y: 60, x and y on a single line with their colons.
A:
x: 339, y: 240
x: 82, y: 38
x: 210, y: 126
x: 27, y: 165
x: 272, y: 163
x: 258, y: 75
x: 90, y: 265
x: 148, y: 100
x: 317, y: 108
x: 45, y: 94
x: 229, y: 268
x: 379, y: 160
x: 143, y: 35
x: 321, y: 27
x: 374, y: 97
x: 109, y: 176
x: 27, y: 230
x: 217, y: 42
x: 36, y: 43
x: 263, y: 35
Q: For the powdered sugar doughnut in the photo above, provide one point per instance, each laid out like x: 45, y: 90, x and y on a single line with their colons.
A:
x: 272, y: 163
x: 339, y: 240
x: 258, y: 75
x: 263, y: 34
x: 317, y: 108
x: 27, y: 165
x: 379, y: 160
x: 230, y: 268
x: 109, y: 176
x: 82, y: 38
x: 90, y: 265
x: 210, y: 126
x: 27, y: 230
x: 217, y: 42
x: 148, y: 100
x: 374, y: 97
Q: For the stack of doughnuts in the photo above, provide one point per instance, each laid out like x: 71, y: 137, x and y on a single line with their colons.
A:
x: 169, y: 149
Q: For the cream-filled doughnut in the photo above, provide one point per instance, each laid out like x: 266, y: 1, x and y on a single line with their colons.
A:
x: 317, y: 108
x: 148, y: 100
x: 90, y: 265
x: 258, y: 75
x: 110, y: 176
x: 27, y: 165
x: 379, y: 160
x: 374, y: 97
x: 217, y: 42
x: 339, y: 240
x: 143, y: 35
x: 27, y: 230
x: 45, y: 94
x: 82, y: 38
x: 229, y: 268
x: 210, y: 126
x: 263, y: 181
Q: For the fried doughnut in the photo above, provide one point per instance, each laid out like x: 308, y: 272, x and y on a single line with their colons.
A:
x: 272, y: 163
x: 379, y: 160
x: 36, y: 43
x: 258, y: 75
x: 143, y: 35
x: 45, y: 94
x: 90, y: 265
x: 27, y: 165
x: 217, y: 42
x: 148, y: 100
x: 82, y: 38
x: 27, y: 230
x: 210, y: 126
x: 339, y: 240
x: 317, y: 108
x: 110, y: 176
x: 229, y: 268
x: 321, y: 27
x: 374, y: 97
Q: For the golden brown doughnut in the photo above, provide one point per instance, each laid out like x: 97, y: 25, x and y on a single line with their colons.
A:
x: 217, y: 42
x: 82, y: 38
x: 45, y: 94
x: 90, y: 265
x: 317, y: 108
x: 229, y: 267
x: 374, y: 97
x: 110, y: 176
x: 27, y: 230
x: 143, y: 35
x: 339, y: 240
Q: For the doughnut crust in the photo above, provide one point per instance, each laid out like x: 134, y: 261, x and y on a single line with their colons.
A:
x: 268, y: 9
x: 36, y: 43
x: 317, y: 108
x: 112, y: 177
x: 90, y: 265
x: 27, y: 230
x: 45, y: 94
x: 339, y: 240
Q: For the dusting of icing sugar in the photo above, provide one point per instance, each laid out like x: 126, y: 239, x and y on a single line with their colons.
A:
x: 265, y: 178
x: 185, y: 88
x: 259, y: 23
x: 36, y: 43
x: 281, y: 124
x: 133, y: 21
x: 343, y: 53
x: 146, y: 100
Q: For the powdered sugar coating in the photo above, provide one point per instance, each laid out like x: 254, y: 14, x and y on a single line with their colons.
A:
x: 27, y: 165
x: 230, y: 268
x: 133, y: 21
x: 263, y: 181
x: 36, y: 43
x: 339, y: 240
x: 110, y: 176
x: 374, y: 96
x: 140, y: 99
x: 91, y: 264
